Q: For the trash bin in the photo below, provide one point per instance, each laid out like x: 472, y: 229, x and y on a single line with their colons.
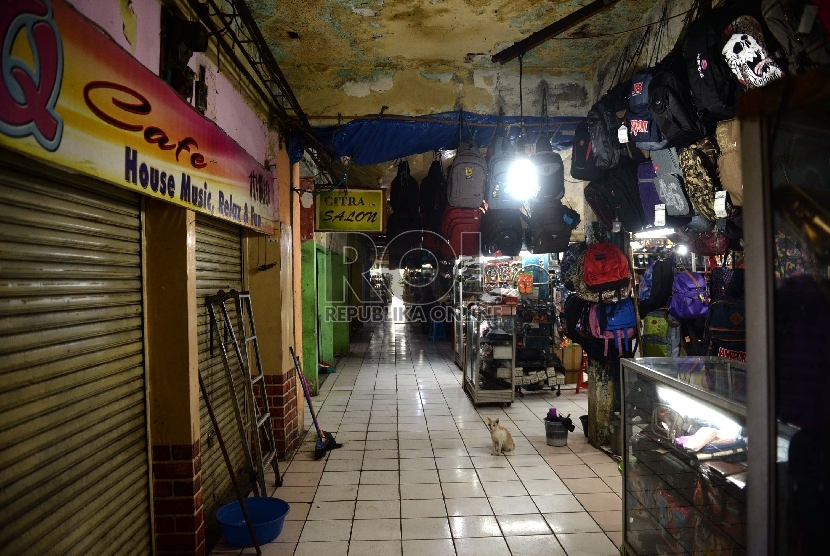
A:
x: 556, y: 433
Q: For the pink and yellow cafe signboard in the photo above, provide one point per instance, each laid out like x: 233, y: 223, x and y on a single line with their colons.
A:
x: 72, y: 97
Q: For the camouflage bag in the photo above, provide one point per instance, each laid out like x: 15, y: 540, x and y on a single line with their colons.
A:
x: 574, y: 275
x: 699, y: 162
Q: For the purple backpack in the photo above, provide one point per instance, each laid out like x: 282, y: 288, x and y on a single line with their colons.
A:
x: 689, y: 299
x: 648, y: 190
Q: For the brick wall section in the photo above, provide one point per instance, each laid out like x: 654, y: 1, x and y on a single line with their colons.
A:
x: 177, y: 500
x: 282, y: 400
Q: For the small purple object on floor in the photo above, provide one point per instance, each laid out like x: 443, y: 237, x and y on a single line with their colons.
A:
x: 552, y: 413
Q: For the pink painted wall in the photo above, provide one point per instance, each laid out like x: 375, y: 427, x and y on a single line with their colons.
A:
x: 226, y: 106
x: 146, y: 35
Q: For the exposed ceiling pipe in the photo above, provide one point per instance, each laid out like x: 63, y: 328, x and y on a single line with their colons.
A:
x: 556, y: 28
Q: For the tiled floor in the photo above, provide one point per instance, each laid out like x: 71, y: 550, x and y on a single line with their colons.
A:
x: 415, y: 476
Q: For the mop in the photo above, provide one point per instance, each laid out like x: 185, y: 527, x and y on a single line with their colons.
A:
x: 325, y: 440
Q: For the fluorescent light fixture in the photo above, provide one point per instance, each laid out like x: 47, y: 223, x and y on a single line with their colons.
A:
x: 522, y: 181
x: 688, y: 406
x: 682, y: 250
x: 524, y: 253
x: 656, y: 233
x: 635, y: 245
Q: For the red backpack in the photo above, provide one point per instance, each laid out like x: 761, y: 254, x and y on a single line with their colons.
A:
x: 606, y: 268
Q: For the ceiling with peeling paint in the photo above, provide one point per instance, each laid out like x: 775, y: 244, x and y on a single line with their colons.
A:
x: 355, y: 57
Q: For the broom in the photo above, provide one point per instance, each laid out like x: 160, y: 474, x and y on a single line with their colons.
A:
x: 325, y: 440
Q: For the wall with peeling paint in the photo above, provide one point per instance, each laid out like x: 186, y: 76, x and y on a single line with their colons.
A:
x: 134, y: 24
x: 354, y: 57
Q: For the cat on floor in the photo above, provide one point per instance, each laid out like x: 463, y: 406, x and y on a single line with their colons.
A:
x: 502, y: 441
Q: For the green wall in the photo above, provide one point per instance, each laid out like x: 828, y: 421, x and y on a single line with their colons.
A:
x: 308, y: 294
x: 325, y: 327
x: 342, y: 297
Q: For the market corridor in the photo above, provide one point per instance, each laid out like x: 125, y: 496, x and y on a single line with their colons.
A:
x: 415, y: 476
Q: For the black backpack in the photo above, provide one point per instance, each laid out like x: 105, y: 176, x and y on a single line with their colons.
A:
x: 662, y: 278
x: 602, y: 125
x: 725, y: 332
x: 671, y: 104
x: 596, y: 195
x: 714, y: 86
x: 583, y: 159
x: 576, y: 311
x: 501, y: 230
x: 551, y: 224
x: 623, y: 190
x: 433, y: 189
x: 549, y: 170
x: 403, y: 193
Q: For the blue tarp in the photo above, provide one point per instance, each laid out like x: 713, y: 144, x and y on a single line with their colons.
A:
x: 372, y: 140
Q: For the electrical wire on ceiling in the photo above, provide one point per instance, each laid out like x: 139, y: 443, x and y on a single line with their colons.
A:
x: 617, y: 33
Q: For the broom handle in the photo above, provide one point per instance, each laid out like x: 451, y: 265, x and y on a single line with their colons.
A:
x: 239, y: 496
x: 301, y: 376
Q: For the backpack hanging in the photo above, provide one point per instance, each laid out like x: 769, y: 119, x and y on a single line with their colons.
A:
x: 550, y: 227
x: 671, y: 104
x: 498, y: 168
x: 501, y: 231
x: 433, y: 188
x: 604, y: 120
x: 714, y: 87
x: 624, y: 196
x: 467, y: 178
x: 728, y: 134
x: 700, y: 172
x: 746, y: 53
x: 661, y: 334
x: 461, y: 228
x: 403, y: 192
x: 605, y: 268
x: 656, y: 285
x: 583, y: 158
x: 641, y: 127
x: 597, y: 196
x: 804, y: 50
x: 550, y: 174
x: 725, y: 332
x: 620, y: 336
x: 689, y: 297
x: 669, y: 182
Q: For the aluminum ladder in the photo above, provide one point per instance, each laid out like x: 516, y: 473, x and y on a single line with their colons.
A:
x: 254, y: 420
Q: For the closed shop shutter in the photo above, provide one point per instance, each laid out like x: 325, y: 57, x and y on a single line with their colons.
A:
x: 218, y: 267
x: 74, y: 475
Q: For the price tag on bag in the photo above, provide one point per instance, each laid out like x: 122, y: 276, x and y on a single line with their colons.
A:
x: 659, y: 215
x: 616, y: 226
x: 720, y: 204
x: 622, y: 134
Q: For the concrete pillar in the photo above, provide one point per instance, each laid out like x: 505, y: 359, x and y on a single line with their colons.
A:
x: 173, y: 370
x: 600, y: 401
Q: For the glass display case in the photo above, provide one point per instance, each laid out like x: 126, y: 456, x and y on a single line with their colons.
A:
x: 468, y: 286
x: 685, y: 456
x: 785, y: 134
x: 489, y: 361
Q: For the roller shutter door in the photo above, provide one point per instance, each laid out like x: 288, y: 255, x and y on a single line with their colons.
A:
x: 74, y: 473
x: 218, y: 267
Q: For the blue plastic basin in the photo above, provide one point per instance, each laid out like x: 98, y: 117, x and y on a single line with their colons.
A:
x: 267, y: 515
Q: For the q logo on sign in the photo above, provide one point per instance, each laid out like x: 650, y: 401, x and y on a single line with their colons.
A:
x: 28, y: 95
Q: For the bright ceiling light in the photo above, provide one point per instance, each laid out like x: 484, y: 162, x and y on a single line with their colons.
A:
x: 682, y: 250
x: 522, y: 181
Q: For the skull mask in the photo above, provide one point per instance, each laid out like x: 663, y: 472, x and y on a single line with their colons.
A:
x: 747, y: 57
